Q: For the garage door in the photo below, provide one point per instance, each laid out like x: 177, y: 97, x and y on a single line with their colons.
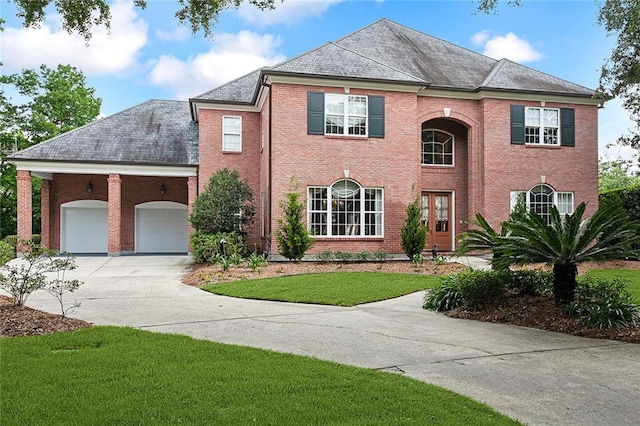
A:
x: 83, y: 226
x: 161, y: 227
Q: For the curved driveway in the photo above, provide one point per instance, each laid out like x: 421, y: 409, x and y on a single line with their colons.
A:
x: 536, y: 376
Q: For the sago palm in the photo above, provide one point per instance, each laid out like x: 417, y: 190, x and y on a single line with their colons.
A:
x: 567, y: 241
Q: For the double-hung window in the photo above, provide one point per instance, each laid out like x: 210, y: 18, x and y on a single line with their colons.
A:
x: 542, y: 126
x: 232, y: 133
x: 345, y: 115
x: 345, y: 209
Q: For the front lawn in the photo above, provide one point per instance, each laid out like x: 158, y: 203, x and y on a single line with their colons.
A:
x: 337, y: 288
x: 110, y: 375
x: 633, y: 275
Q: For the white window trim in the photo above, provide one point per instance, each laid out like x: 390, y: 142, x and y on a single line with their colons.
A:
x: 542, y: 126
x: 453, y: 149
x: 345, y: 115
x: 556, y: 195
x: 310, y: 211
x: 224, y: 133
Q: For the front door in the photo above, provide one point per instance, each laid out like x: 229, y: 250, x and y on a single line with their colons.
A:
x: 436, y: 214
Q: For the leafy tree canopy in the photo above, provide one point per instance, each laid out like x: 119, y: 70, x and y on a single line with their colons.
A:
x: 48, y: 102
x: 620, y: 74
x: 225, y: 205
x: 82, y: 15
x: 615, y: 174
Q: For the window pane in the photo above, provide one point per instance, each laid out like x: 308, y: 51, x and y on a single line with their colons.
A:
x: 532, y: 117
x: 357, y: 126
x: 334, y: 104
x: 358, y: 105
x: 541, y: 200
x: 551, y: 118
x: 334, y: 125
x: 232, y: 143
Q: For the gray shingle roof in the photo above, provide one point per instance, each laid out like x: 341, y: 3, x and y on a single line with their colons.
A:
x: 154, y: 132
x: 388, y: 51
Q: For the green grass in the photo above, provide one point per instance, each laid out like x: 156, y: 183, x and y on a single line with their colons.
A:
x: 336, y: 288
x: 123, y: 376
x: 633, y: 275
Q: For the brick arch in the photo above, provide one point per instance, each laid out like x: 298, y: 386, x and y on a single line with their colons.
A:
x: 463, y: 119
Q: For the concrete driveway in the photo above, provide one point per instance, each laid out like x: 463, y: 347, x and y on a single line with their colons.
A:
x: 536, y: 376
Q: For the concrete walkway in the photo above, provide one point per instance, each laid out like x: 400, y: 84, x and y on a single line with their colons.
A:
x: 536, y: 376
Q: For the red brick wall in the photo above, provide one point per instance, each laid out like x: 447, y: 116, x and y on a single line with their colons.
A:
x: 390, y: 163
x: 246, y: 162
x: 510, y: 167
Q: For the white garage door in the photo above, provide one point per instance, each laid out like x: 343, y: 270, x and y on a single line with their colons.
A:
x: 83, y: 227
x: 161, y: 227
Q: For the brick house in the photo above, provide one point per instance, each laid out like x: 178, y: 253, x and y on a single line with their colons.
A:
x: 362, y: 126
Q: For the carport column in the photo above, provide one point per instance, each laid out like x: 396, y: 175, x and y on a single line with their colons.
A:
x: 45, y: 213
x: 25, y: 208
x: 192, y: 191
x: 115, y: 214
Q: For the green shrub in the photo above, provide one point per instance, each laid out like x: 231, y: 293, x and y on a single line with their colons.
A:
x: 342, y: 256
x: 292, y: 234
x: 602, y: 303
x: 413, y: 232
x: 363, y: 256
x: 7, y: 252
x: 381, y: 255
x: 207, y: 248
x: 256, y: 261
x: 481, y: 287
x: 325, y: 256
x: 445, y: 296
x: 530, y: 282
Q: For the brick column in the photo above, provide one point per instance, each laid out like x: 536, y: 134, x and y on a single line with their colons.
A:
x: 114, y: 214
x: 192, y: 191
x: 25, y: 207
x: 45, y: 213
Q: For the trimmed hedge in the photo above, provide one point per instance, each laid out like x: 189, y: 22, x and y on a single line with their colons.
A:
x: 209, y: 248
x: 629, y: 199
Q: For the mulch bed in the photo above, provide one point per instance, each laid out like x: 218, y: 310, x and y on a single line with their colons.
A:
x: 24, y: 321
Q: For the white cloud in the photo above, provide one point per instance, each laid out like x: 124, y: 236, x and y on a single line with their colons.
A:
x: 180, y: 33
x: 480, y: 37
x: 289, y: 12
x: 508, y: 46
x: 108, y: 53
x: 231, y: 56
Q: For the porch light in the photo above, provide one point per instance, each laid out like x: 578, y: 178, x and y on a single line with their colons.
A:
x: 89, y: 187
x: 163, y: 188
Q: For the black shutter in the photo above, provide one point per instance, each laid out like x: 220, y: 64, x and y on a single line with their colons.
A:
x: 568, y: 127
x: 517, y: 124
x: 376, y: 116
x: 315, y: 113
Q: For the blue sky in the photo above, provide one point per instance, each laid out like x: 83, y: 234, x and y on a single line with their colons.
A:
x: 148, y: 55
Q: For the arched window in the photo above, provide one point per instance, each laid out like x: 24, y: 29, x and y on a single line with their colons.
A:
x: 345, y: 209
x: 437, y: 148
x: 541, y: 200
x: 541, y: 197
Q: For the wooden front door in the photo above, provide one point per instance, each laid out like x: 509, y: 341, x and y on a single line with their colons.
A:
x: 436, y: 214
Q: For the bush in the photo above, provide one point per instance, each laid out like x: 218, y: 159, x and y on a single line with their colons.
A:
x: 413, y: 232
x: 7, y: 252
x: 602, y: 303
x: 530, y: 282
x: 292, y: 235
x: 325, y: 256
x: 225, y: 205
x: 481, y: 287
x: 208, y: 248
x: 444, y: 297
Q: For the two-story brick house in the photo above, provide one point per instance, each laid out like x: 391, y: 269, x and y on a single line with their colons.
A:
x: 361, y: 126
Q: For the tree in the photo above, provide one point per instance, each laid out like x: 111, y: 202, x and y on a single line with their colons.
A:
x: 567, y: 241
x: 620, y: 74
x: 413, y: 232
x: 615, y: 174
x: 50, y: 102
x: 225, y: 205
x: 82, y: 15
x: 292, y: 234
